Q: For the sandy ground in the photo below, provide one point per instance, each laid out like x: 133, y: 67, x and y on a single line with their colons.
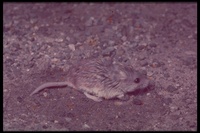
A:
x: 41, y: 40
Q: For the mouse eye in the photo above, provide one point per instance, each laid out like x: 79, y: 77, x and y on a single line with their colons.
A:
x: 137, y: 80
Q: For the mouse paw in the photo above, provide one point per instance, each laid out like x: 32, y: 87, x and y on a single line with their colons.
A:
x: 94, y: 98
x: 123, y: 97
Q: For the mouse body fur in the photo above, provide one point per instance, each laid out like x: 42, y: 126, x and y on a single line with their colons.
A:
x: 100, y: 79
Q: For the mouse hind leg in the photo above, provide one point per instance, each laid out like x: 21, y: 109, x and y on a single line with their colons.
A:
x: 94, y: 98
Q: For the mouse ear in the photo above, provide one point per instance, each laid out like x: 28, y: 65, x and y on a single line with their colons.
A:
x: 122, y: 75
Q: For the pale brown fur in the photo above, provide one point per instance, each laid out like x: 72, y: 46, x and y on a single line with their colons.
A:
x: 100, y: 78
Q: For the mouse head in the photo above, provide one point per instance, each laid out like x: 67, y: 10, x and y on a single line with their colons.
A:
x: 131, y: 80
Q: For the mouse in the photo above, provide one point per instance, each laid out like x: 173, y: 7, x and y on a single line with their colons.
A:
x: 100, y: 79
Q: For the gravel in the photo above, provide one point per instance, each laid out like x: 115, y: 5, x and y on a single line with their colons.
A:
x: 42, y: 40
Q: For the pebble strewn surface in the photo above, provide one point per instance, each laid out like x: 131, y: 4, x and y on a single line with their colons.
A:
x: 42, y: 40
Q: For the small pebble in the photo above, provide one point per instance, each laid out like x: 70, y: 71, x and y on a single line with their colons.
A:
x: 167, y: 101
x: 152, y: 45
x: 144, y: 63
x: 189, y: 61
x: 137, y: 102
x: 108, y: 51
x: 59, y: 40
x: 19, y: 99
x: 171, y: 88
x: 72, y: 47
x: 86, y: 126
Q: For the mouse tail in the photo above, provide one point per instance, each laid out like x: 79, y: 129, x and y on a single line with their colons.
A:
x: 47, y: 85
